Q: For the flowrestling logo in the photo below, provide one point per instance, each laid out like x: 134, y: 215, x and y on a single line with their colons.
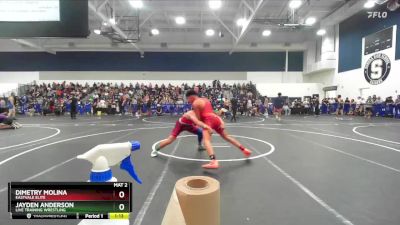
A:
x: 379, y: 15
x: 377, y: 68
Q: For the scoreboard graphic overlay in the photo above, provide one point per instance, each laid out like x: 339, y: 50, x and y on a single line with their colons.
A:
x: 72, y: 200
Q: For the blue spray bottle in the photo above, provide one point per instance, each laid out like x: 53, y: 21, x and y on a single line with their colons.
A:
x: 105, y: 155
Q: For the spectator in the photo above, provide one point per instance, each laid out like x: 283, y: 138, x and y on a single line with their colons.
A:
x: 3, y: 105
x: 389, y: 100
x: 11, y: 105
x: 148, y: 105
x: 378, y: 100
x: 234, y: 107
x: 351, y: 109
x: 286, y: 108
x: 242, y: 107
x: 359, y: 106
x: 397, y: 102
x: 368, y: 107
x: 278, y: 105
x: 316, y: 106
x: 306, y: 105
x: 159, y: 111
x: 332, y: 102
x: 249, y: 106
x: 397, y: 108
x: 266, y: 105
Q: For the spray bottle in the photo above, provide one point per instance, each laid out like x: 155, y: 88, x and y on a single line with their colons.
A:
x: 105, y: 155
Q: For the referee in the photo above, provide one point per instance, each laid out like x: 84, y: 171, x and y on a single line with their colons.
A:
x: 74, y: 102
x: 234, y: 106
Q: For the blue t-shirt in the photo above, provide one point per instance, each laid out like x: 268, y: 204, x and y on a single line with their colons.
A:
x: 278, y: 102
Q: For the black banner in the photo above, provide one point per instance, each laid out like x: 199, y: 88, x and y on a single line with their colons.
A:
x: 60, y: 216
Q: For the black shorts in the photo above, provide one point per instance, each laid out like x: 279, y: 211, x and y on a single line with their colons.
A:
x: 7, y: 121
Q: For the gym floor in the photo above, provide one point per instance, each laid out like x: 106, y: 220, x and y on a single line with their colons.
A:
x: 305, y: 170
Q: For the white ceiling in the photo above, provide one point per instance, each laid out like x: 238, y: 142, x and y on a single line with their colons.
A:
x: 160, y: 14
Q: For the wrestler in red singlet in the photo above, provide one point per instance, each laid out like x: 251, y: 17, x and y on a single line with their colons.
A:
x: 208, y: 116
x: 187, y: 122
x: 204, y: 111
x: 184, y: 124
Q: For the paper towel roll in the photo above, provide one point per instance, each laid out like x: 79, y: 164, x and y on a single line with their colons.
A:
x: 194, y: 201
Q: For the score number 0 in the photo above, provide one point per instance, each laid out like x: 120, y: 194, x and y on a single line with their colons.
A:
x: 121, y: 195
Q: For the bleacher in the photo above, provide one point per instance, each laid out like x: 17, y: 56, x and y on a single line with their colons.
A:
x: 86, y: 105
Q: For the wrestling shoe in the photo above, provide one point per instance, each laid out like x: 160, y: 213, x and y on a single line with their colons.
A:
x: 154, y: 153
x: 246, y: 152
x: 213, y: 164
x: 201, y: 148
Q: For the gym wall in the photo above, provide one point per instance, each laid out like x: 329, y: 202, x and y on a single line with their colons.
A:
x: 152, y: 61
x: 352, y: 30
x: 350, y: 78
x: 262, y: 68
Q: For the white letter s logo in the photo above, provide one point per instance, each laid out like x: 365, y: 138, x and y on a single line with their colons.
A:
x: 376, y: 69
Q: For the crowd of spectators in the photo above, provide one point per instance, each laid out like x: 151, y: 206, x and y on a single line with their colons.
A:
x: 113, y: 98
x: 50, y: 98
x: 154, y: 99
x: 372, y: 106
x: 165, y: 98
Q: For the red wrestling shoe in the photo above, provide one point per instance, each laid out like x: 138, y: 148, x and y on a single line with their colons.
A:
x: 213, y: 164
x: 246, y: 152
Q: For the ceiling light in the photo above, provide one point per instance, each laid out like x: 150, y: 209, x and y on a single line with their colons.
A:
x: 310, y: 21
x: 105, y: 23
x: 180, y: 20
x: 241, y: 22
x: 294, y: 4
x: 97, y: 31
x: 112, y: 21
x: 321, y: 32
x: 137, y: 4
x: 215, y: 4
x: 369, y: 4
x: 210, y: 32
x: 266, y: 33
x: 155, y: 31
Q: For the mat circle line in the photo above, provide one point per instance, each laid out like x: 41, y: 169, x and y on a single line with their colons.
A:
x: 372, y: 137
x: 220, y: 160
x: 58, y: 131
x: 228, y: 124
x: 102, y: 122
x: 151, y: 128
